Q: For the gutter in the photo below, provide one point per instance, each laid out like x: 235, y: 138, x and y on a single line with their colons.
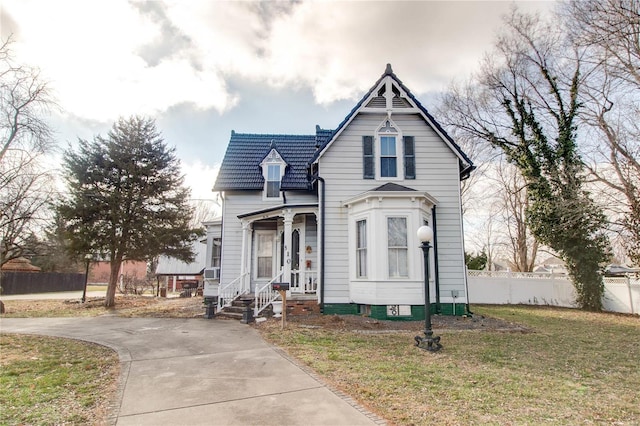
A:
x: 466, y: 172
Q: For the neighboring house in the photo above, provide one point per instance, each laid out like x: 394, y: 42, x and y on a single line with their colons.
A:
x: 99, y: 271
x: 335, y: 213
x: 552, y: 265
x: 213, y: 256
x: 173, y: 273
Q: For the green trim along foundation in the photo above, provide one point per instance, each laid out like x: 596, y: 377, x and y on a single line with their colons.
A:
x: 394, y: 313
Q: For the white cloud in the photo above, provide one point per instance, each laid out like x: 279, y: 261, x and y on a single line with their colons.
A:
x: 200, y: 178
x: 96, y: 52
x: 89, y: 53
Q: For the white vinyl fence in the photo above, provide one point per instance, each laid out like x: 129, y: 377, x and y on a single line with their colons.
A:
x: 539, y: 288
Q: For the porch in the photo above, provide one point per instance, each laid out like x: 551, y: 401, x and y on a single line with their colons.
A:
x: 279, y: 244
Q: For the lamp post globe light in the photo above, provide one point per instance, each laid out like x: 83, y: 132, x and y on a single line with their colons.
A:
x: 429, y: 342
x: 87, y: 260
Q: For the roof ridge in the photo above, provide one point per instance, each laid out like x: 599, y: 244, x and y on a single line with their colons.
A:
x: 267, y: 135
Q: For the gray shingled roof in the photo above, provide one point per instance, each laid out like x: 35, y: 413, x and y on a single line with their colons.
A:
x: 392, y: 187
x: 241, y: 169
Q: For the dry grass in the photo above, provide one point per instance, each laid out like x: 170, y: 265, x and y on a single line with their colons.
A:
x: 55, y: 381
x: 573, y: 368
x: 507, y: 365
x: 126, y: 306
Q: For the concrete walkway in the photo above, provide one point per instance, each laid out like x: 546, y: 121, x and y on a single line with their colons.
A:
x: 202, y: 372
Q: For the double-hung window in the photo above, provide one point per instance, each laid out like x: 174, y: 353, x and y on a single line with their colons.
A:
x: 273, y: 181
x: 397, y: 247
x: 273, y: 170
x: 388, y: 154
x: 264, y: 251
x: 361, y: 249
x: 388, y: 157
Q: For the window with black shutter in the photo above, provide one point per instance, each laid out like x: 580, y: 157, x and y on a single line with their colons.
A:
x: 409, y: 157
x: 368, y: 158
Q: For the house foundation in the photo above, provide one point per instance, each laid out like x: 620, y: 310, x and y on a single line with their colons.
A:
x: 393, y: 312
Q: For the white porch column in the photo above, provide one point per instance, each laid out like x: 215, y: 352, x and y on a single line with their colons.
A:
x: 288, y: 221
x: 244, y: 254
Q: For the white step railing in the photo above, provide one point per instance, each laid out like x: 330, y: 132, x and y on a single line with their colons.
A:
x: 228, y: 292
x: 310, y: 281
x: 304, y: 282
x: 265, y: 295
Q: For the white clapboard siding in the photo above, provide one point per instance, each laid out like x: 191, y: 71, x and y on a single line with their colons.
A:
x: 437, y: 173
x: 243, y: 202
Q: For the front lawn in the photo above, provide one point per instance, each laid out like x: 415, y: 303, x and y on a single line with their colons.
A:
x: 573, y: 368
x: 55, y: 381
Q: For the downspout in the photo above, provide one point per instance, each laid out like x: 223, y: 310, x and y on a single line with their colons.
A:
x: 436, y: 270
x: 313, y: 178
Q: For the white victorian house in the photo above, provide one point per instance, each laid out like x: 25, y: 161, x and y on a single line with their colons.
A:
x: 335, y: 213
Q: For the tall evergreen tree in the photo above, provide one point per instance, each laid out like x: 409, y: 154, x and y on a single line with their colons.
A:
x: 126, y: 198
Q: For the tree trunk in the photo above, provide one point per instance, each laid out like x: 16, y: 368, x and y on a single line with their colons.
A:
x: 110, y: 300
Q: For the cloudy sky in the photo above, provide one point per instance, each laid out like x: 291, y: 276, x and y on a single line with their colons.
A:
x: 202, y: 68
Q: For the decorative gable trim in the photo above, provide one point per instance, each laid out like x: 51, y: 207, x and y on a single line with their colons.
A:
x: 273, y: 157
x: 466, y: 165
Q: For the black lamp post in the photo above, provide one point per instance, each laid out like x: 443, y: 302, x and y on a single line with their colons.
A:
x: 87, y: 260
x: 429, y: 342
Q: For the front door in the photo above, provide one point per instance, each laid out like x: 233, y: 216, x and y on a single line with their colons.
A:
x: 295, y: 261
x: 296, y: 280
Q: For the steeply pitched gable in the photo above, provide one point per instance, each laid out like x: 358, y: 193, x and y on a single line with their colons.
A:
x: 400, y: 101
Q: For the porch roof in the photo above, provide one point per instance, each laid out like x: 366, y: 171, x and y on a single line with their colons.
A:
x: 269, y: 212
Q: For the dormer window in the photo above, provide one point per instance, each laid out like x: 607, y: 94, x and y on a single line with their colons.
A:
x: 273, y: 167
x: 273, y: 181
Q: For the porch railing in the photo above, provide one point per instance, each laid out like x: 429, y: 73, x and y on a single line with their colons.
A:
x: 304, y: 281
x: 265, y: 295
x: 228, y: 292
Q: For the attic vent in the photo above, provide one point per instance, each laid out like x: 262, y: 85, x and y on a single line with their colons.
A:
x: 399, y: 102
x: 377, y: 102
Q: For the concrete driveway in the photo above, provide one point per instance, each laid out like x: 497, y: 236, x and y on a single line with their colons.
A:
x: 202, y: 372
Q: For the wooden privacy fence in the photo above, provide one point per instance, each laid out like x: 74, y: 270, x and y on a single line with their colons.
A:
x: 622, y: 294
x: 40, y: 282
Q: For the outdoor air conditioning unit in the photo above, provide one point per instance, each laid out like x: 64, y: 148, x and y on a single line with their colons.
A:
x: 212, y: 273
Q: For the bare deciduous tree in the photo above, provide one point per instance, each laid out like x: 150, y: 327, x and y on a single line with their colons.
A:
x: 25, y: 194
x: 522, y: 247
x: 525, y: 102
x: 203, y: 210
x: 25, y: 184
x: 24, y: 102
x: 609, y: 33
